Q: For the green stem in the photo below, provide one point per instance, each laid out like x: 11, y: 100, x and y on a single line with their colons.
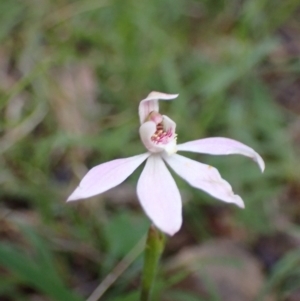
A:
x: 153, y: 250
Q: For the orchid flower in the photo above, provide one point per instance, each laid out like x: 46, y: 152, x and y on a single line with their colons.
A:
x: 156, y: 188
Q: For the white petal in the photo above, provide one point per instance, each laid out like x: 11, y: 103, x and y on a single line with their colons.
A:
x: 159, y: 196
x: 106, y: 176
x: 221, y: 146
x: 150, y: 103
x: 171, y: 147
x: 147, y: 130
x: 169, y: 123
x: 204, y: 177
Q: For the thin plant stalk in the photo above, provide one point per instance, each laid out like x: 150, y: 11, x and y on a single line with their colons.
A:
x: 153, y: 250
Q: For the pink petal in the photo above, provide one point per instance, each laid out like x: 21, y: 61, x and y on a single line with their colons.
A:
x: 150, y: 103
x: 159, y: 196
x: 203, y: 177
x: 106, y: 176
x: 221, y: 146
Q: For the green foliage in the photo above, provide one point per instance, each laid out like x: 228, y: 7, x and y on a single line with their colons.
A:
x: 71, y: 76
x: 285, y: 277
x: 38, y: 271
x: 133, y: 228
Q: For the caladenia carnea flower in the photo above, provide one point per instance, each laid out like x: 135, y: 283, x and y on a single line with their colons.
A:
x: 156, y: 188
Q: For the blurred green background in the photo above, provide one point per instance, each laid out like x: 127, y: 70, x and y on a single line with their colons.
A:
x: 72, y: 74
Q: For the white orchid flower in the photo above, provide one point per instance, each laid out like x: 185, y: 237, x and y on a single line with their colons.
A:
x: 156, y: 188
